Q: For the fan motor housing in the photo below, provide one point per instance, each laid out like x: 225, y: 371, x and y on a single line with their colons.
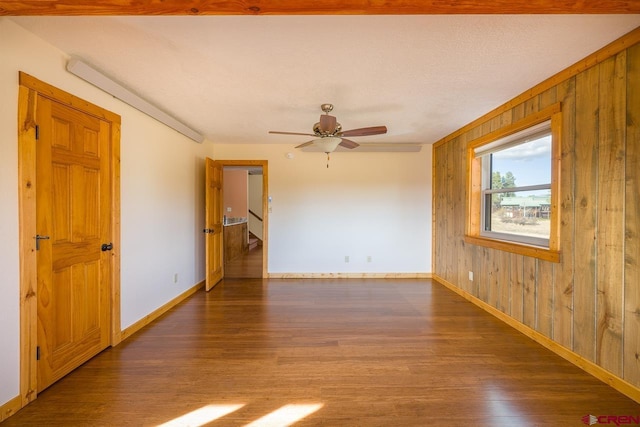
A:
x: 317, y: 129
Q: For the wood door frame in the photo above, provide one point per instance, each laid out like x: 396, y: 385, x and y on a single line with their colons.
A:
x: 214, y: 239
x: 29, y: 90
x: 265, y: 203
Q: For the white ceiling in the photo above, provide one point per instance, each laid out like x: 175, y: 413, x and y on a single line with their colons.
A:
x: 233, y: 78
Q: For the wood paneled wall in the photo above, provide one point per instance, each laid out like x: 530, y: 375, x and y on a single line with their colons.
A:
x: 588, y: 303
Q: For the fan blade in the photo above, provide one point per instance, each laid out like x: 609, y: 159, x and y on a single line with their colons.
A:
x: 373, y: 130
x: 327, y: 123
x: 306, y: 144
x: 347, y: 143
x: 291, y: 133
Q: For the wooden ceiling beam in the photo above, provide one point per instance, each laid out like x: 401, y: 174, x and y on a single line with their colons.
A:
x: 314, y: 7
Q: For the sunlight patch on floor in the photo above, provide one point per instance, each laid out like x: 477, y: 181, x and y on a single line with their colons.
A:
x: 286, y: 415
x: 202, y: 416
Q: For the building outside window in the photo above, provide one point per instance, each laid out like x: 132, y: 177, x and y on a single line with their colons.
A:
x: 516, y: 186
x: 513, y: 187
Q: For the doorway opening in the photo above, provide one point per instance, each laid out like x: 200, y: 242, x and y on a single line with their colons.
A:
x: 245, y: 214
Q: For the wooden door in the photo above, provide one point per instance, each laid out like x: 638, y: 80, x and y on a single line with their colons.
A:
x: 73, y: 215
x: 213, y: 227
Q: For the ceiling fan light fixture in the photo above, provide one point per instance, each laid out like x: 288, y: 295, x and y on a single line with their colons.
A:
x: 327, y: 144
x: 329, y: 133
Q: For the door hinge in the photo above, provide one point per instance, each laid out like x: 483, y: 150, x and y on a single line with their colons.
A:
x: 38, y: 352
x: 37, y: 132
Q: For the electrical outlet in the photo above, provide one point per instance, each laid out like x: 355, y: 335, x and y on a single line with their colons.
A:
x: 175, y: 278
x: 368, y: 258
x: 346, y: 258
x: 471, y: 276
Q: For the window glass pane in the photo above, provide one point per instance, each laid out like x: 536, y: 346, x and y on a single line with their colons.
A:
x: 512, y: 185
x: 523, y: 213
x: 522, y: 165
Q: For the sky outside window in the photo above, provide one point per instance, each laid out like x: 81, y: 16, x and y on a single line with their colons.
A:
x: 530, y: 163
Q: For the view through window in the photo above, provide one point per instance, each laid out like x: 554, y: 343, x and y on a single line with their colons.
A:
x: 517, y: 187
x: 513, y: 186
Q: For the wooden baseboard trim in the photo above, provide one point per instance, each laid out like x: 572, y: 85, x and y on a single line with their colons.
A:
x: 350, y: 275
x: 602, y: 374
x: 15, y: 404
x: 10, y: 408
x: 126, y: 333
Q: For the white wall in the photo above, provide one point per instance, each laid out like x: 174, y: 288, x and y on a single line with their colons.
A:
x: 162, y: 190
x: 9, y: 280
x: 364, y: 204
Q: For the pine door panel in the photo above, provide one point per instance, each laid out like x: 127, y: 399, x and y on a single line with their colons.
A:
x: 74, y: 211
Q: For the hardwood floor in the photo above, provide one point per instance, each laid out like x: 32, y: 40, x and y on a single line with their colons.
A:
x: 364, y: 352
x: 246, y: 266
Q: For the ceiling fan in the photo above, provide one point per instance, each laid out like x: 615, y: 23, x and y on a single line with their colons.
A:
x: 329, y: 135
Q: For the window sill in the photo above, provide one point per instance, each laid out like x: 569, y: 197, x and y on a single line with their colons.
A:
x: 515, y: 248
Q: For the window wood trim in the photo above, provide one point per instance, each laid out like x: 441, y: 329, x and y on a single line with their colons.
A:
x: 474, y: 188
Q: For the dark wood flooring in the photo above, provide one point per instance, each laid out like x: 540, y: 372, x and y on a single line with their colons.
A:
x: 246, y: 266
x: 355, y: 352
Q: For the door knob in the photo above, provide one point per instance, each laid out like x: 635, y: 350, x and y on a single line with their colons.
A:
x: 208, y: 231
x: 106, y: 247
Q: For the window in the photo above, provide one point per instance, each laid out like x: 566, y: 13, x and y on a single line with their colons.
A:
x: 513, y: 187
x: 516, y: 186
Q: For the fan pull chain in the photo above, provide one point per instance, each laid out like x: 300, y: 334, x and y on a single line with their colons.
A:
x: 328, y: 160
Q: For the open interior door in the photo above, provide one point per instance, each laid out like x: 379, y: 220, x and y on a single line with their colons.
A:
x: 213, y: 224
